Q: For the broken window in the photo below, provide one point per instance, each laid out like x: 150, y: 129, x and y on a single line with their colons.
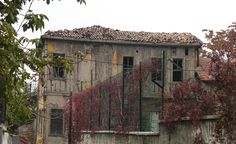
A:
x: 58, y: 69
x: 177, y: 69
x: 157, y: 69
x: 128, y: 63
x: 56, y: 122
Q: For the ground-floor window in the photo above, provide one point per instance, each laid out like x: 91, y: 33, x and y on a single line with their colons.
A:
x: 56, y: 122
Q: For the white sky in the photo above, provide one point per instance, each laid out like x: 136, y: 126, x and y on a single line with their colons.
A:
x: 139, y: 15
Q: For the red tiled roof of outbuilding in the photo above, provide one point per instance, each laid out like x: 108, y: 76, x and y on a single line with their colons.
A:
x: 204, y: 68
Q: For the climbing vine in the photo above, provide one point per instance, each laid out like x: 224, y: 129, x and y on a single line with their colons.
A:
x: 194, y: 99
x: 113, y: 104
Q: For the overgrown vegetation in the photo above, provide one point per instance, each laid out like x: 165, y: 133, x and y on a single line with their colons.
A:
x: 16, y: 58
x: 193, y: 100
x: 114, y: 104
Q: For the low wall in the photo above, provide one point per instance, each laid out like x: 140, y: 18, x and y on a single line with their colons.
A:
x: 183, y: 134
x: 5, y: 137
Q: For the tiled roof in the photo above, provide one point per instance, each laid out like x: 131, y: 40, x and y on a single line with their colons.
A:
x: 108, y: 34
x: 203, y: 70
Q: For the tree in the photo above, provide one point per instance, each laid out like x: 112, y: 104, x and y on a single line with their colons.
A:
x: 15, y: 58
x: 220, y: 98
x: 223, y: 71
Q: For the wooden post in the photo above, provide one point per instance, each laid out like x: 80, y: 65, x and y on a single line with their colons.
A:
x: 70, y: 121
x: 109, y: 109
x: 163, y: 81
x: 99, y: 108
x: 123, y: 94
x: 140, y: 97
x: 91, y: 100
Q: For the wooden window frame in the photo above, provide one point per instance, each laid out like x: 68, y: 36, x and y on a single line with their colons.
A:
x: 58, y: 70
x: 56, y: 122
x: 128, y: 64
x: 177, y: 70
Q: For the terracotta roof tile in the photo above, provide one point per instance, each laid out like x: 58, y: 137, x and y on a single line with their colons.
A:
x: 102, y: 33
x: 203, y: 70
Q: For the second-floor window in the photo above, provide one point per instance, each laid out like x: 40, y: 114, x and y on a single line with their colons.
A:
x: 128, y: 63
x: 177, y: 69
x: 56, y: 122
x: 186, y: 51
x: 58, y: 69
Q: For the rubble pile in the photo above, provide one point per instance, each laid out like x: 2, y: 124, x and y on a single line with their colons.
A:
x: 100, y: 33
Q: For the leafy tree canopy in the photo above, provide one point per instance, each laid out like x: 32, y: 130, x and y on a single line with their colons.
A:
x: 15, y: 58
x: 194, y: 100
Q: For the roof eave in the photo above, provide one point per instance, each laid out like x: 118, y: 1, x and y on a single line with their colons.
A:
x: 198, y: 45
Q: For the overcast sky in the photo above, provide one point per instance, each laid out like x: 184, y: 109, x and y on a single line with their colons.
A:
x: 139, y: 15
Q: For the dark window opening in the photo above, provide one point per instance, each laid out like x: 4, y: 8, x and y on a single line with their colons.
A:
x: 128, y: 63
x: 58, y: 72
x: 157, y: 69
x: 174, y: 51
x: 177, y: 70
x: 58, y: 69
x: 186, y: 51
x: 56, y: 122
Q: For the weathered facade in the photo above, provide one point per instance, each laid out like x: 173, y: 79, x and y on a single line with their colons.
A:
x: 106, y: 52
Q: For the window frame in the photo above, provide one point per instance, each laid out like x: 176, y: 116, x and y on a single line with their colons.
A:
x: 54, y: 129
x: 178, y: 69
x: 58, y: 70
x: 186, y: 51
x: 128, y: 66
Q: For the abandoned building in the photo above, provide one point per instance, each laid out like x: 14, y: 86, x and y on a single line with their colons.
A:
x: 99, y: 53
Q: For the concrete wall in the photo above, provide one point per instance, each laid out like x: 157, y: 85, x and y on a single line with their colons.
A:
x: 5, y: 137
x: 184, y: 134
x: 97, y: 65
